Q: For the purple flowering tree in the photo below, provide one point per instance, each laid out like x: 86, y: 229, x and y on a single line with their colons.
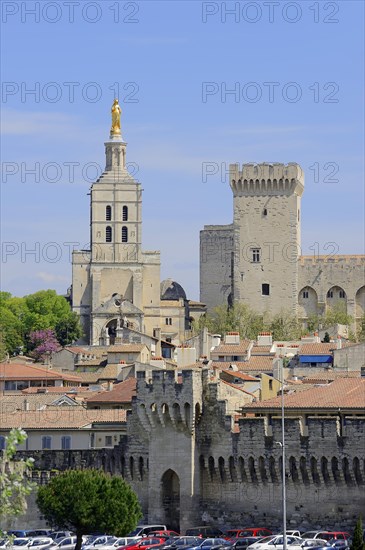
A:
x: 43, y: 342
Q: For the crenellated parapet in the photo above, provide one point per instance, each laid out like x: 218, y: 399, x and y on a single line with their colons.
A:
x: 165, y: 400
x: 266, y: 179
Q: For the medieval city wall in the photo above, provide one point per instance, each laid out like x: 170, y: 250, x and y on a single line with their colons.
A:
x: 190, y: 462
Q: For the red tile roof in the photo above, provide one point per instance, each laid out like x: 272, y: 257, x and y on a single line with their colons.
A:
x: 343, y: 393
x: 61, y: 417
x: 232, y: 349
x: 126, y: 348
x: 257, y: 363
x: 121, y: 393
x: 322, y: 348
x: 19, y: 371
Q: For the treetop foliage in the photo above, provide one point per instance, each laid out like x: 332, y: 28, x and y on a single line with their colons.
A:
x: 89, y: 500
x: 283, y: 326
x: 43, y: 310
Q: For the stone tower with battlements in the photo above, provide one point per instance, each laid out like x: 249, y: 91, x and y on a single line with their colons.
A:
x: 266, y: 235
x: 257, y: 259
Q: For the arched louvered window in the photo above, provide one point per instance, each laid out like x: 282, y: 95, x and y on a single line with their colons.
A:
x: 108, y: 213
x: 124, y: 234
x: 108, y: 234
x: 125, y: 213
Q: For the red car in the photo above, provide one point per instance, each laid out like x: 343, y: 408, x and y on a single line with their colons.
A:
x: 167, y: 533
x: 144, y: 544
x: 248, y: 532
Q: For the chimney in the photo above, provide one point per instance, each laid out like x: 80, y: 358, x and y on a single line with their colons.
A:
x: 232, y: 338
x: 110, y: 385
x: 26, y: 405
x: 338, y: 342
x: 264, y: 339
x: 216, y: 340
x: 157, y: 334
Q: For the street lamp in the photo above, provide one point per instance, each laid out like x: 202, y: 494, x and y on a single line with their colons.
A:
x: 282, y: 445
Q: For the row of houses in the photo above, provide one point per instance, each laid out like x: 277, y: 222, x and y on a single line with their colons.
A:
x: 80, y: 399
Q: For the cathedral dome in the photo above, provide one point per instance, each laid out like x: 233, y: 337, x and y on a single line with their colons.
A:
x: 171, y: 290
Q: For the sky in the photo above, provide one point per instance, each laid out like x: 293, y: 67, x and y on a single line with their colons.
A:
x: 201, y: 85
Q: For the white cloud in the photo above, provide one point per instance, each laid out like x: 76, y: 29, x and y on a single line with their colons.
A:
x: 51, y: 277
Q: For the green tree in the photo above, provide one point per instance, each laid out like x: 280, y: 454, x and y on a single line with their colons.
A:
x: 358, y: 537
x: 43, y: 310
x: 68, y: 329
x: 326, y: 337
x: 239, y: 318
x: 284, y: 326
x: 88, y: 500
x: 14, y: 485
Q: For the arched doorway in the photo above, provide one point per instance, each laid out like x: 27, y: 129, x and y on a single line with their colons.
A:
x: 112, y: 330
x: 171, y: 499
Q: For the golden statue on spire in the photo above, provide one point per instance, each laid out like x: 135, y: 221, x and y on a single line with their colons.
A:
x: 116, y: 112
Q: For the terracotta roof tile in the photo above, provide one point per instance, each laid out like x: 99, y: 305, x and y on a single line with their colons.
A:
x: 19, y: 371
x: 126, y: 348
x: 322, y: 348
x: 60, y: 417
x: 232, y: 349
x: 121, y: 393
x: 261, y: 350
x: 257, y: 363
x: 55, y: 390
x: 344, y: 393
x: 315, y: 378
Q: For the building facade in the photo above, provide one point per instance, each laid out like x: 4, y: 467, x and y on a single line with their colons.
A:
x: 257, y: 259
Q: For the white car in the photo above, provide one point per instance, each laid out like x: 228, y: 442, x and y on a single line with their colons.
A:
x: 40, y: 543
x: 21, y: 542
x: 100, y: 542
x: 275, y: 542
x: 118, y: 542
x: 67, y: 543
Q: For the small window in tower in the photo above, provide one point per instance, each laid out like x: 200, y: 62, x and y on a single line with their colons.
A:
x: 265, y: 289
x: 305, y: 294
x: 342, y: 294
x: 124, y: 234
x: 125, y: 213
x: 108, y: 213
x: 330, y: 294
x: 298, y: 215
x: 256, y: 253
x: 265, y: 212
x: 108, y: 234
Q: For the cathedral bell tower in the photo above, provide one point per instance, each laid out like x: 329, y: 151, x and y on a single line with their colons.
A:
x: 115, y: 283
x: 116, y: 204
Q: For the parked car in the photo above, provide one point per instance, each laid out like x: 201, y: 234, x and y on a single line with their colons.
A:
x: 241, y: 543
x: 144, y: 530
x: 144, y: 544
x: 313, y: 543
x: 254, y: 532
x: 181, y: 543
x: 38, y: 533
x: 164, y: 532
x: 205, y: 531
x: 58, y: 535
x: 275, y: 542
x: 41, y: 543
x: 21, y: 541
x: 337, y: 535
x: 17, y: 533
x: 117, y: 543
x: 211, y: 543
x: 294, y: 533
x: 4, y: 543
x: 99, y: 541
x: 67, y: 543
x: 340, y: 543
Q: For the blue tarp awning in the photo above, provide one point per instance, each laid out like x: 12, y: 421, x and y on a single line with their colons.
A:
x: 315, y: 359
